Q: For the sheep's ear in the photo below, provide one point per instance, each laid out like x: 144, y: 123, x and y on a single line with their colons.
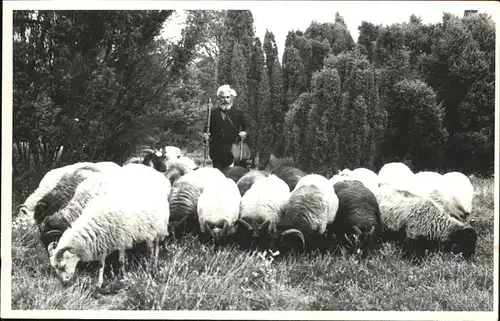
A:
x: 372, y: 230
x: 357, y: 230
x: 51, y: 248
x: 294, y: 238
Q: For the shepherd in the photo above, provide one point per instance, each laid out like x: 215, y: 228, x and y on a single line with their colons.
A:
x: 225, y: 129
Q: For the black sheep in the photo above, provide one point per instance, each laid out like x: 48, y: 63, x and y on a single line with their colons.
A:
x: 358, y: 217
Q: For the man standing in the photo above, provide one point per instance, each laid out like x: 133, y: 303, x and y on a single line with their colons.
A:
x: 227, y: 123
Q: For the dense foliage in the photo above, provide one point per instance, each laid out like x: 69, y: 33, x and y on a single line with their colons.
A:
x: 101, y: 84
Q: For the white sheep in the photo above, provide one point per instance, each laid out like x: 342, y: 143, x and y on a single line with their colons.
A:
x: 459, y: 191
x: 184, y: 199
x: 218, y: 209
x: 420, y: 223
x: 310, y: 208
x: 259, y: 210
x: 367, y: 177
x: 126, y: 215
x: 396, y: 174
x: 178, y: 167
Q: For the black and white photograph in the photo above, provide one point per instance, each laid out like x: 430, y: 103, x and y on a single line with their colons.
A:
x: 327, y: 160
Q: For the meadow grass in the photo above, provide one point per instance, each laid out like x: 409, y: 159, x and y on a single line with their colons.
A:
x: 195, y: 276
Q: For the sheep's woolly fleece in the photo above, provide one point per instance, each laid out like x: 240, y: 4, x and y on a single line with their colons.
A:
x: 187, y: 189
x: 219, y: 202
x: 312, y: 205
x: 364, y: 175
x: 264, y: 200
x: 358, y: 206
x: 247, y: 180
x: 397, y: 174
x: 123, y: 216
x: 417, y: 216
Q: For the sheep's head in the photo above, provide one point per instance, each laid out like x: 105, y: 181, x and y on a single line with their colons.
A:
x: 462, y: 240
x: 154, y: 160
x: 64, y: 261
x: 291, y: 239
x: 262, y: 236
x: 219, y: 235
x: 52, y: 228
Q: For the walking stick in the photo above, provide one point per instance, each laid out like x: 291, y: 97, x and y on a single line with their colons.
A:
x: 209, y: 111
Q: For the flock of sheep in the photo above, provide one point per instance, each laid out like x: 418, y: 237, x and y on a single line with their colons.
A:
x: 87, y: 211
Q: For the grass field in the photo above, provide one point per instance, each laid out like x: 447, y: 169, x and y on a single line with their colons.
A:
x: 192, y: 276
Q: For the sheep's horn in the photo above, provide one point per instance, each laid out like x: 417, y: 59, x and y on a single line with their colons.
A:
x: 264, y: 226
x: 244, y: 224
x: 295, y: 232
x: 53, y: 233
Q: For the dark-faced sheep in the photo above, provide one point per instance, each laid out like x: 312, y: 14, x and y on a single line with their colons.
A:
x: 358, y: 216
x: 259, y: 211
x: 422, y: 224
x: 311, y: 207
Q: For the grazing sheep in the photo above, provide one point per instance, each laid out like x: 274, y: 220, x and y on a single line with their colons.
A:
x: 218, y: 209
x: 425, y: 182
x: 358, y: 215
x: 247, y: 180
x: 259, y: 211
x: 311, y: 207
x: 236, y: 172
x: 184, y: 199
x: 364, y: 175
x: 178, y: 167
x: 33, y: 208
x: 397, y: 174
x: 125, y: 215
x: 67, y: 200
x: 420, y: 223
x: 290, y: 175
x: 459, y: 191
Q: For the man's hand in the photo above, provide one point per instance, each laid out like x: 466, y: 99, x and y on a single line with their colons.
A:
x: 243, y: 134
x: 205, y: 136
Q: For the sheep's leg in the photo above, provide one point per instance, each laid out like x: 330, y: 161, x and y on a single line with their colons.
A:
x: 100, y: 281
x: 151, y: 250
x: 157, y: 251
x: 121, y: 259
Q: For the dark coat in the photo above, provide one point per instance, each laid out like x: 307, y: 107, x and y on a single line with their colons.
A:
x: 223, y: 133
